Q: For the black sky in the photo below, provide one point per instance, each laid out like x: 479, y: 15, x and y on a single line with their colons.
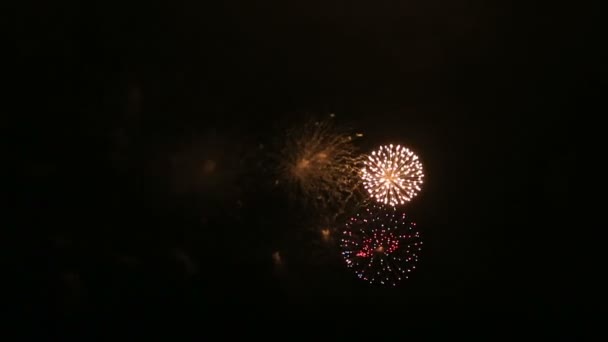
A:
x: 106, y: 98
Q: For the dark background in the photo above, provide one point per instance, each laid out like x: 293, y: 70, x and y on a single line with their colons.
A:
x: 113, y: 106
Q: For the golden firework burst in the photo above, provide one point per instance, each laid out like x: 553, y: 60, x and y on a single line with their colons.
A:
x: 321, y: 163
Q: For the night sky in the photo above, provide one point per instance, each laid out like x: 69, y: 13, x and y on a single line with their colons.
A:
x: 143, y: 141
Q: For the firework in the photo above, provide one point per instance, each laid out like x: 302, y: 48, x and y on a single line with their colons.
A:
x: 380, y: 245
x: 321, y: 165
x: 208, y: 165
x: 392, y: 175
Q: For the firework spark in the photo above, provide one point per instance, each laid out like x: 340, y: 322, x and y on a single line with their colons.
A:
x: 381, y: 246
x: 209, y: 166
x: 322, y: 165
x: 392, y: 175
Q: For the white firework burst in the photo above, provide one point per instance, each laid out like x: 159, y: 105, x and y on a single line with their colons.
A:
x: 392, y: 174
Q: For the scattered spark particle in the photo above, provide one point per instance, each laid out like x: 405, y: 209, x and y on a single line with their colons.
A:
x: 209, y: 166
x: 276, y: 258
x: 325, y: 233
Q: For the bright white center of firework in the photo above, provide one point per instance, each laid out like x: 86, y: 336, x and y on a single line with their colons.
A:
x: 392, y: 175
